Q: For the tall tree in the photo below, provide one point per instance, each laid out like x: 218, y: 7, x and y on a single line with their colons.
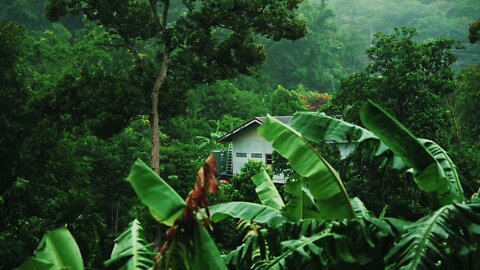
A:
x: 13, y: 97
x: 467, y: 97
x: 318, y: 61
x: 474, y: 30
x: 286, y: 102
x: 194, y: 41
x: 411, y: 79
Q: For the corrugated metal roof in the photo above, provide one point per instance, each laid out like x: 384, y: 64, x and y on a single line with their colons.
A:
x: 257, y: 120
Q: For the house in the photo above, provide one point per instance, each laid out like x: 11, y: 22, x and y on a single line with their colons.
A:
x: 247, y: 144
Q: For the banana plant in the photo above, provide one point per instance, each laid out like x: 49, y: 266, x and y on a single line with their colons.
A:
x: 319, y: 177
x: 448, y: 239
x: 301, y: 203
x: 266, y: 190
x: 320, y: 128
x: 247, y: 211
x: 131, y: 250
x: 432, y: 168
x: 164, y: 203
x: 317, y: 244
x: 433, y: 171
x: 187, y: 234
x: 320, y: 227
x: 431, y: 242
x: 56, y: 250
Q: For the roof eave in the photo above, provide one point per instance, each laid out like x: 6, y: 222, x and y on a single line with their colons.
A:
x: 228, y: 137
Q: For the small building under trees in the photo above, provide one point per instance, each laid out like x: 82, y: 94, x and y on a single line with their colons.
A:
x: 247, y: 144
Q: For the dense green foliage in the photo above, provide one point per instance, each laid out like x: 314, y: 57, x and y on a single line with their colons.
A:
x: 75, y: 109
x: 446, y: 238
x: 474, y: 30
x: 466, y: 98
x: 410, y: 79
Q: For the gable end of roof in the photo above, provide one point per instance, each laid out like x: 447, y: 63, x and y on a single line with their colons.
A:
x: 257, y: 120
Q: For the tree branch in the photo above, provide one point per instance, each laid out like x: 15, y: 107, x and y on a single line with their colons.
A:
x: 153, y: 9
x: 134, y: 51
x: 166, y: 6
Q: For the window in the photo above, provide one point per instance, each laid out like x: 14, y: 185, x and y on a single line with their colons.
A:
x: 241, y: 154
x: 268, y: 159
x: 256, y: 155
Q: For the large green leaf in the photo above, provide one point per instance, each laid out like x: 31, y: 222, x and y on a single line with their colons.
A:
x: 360, y: 210
x: 266, y: 190
x: 243, y: 256
x: 396, y: 136
x: 301, y: 204
x: 449, y: 189
x: 317, y: 244
x: 247, y: 256
x: 36, y: 264
x: 205, y: 254
x: 430, y: 163
x: 247, y: 211
x: 320, y: 128
x: 131, y: 250
x: 441, y: 240
x: 321, y: 179
x: 303, y: 245
x: 164, y: 203
x: 57, y: 250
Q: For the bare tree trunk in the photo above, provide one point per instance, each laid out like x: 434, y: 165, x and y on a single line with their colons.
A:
x: 162, y: 75
x: 454, y: 118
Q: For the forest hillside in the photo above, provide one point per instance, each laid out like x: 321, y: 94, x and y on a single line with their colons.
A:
x: 88, y: 88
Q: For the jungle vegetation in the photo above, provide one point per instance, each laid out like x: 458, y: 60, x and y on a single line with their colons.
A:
x: 88, y: 88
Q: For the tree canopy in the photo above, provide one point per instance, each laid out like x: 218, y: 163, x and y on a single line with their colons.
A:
x: 81, y: 92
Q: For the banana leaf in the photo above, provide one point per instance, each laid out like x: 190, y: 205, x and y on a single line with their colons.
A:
x: 360, y: 210
x: 302, y: 204
x: 33, y: 263
x: 307, y: 246
x: 131, y: 250
x: 434, y: 172
x: 56, y: 250
x: 449, y: 190
x: 247, y: 211
x: 446, y: 239
x: 164, y: 203
x: 321, y: 179
x: 317, y: 244
x: 320, y: 128
x: 266, y: 190
x: 205, y: 254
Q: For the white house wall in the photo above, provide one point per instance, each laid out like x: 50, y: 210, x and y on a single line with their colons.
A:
x: 248, y: 141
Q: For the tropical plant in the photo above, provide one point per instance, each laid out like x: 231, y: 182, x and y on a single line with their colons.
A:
x: 57, y: 250
x: 244, y: 188
x: 474, y: 31
x: 320, y: 226
x: 432, y: 241
x: 410, y: 79
x: 131, y: 250
x: 188, y: 42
